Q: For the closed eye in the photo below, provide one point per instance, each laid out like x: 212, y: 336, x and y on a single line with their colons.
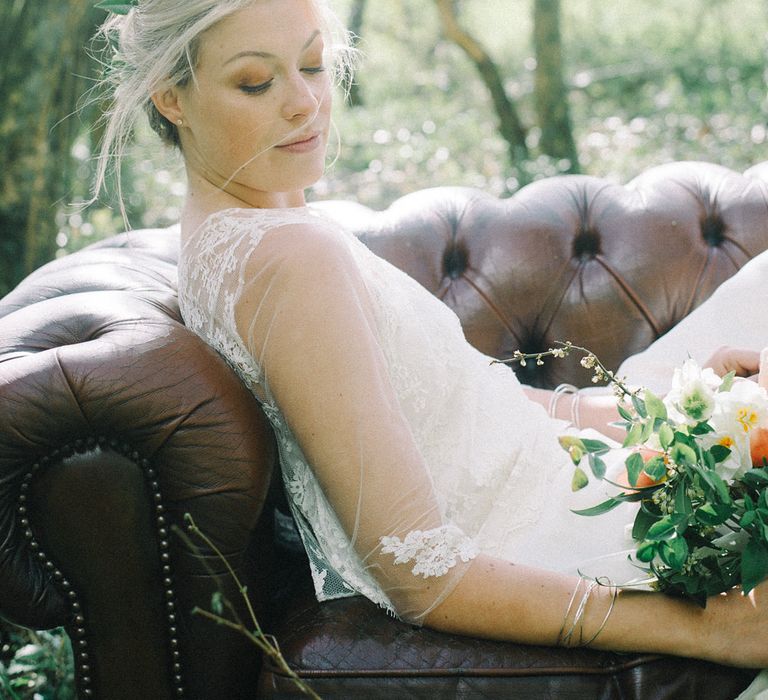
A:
x: 256, y: 89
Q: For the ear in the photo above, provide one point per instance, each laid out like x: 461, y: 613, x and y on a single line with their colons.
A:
x: 168, y: 103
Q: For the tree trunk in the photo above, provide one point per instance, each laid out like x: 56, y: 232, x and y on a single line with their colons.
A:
x: 45, y: 72
x: 510, y: 125
x: 551, y: 96
x: 355, y: 26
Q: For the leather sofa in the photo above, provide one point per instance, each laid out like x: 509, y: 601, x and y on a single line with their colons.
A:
x: 115, y: 421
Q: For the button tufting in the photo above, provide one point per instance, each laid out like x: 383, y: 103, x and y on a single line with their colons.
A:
x: 455, y: 261
x: 713, y: 230
x: 586, y: 244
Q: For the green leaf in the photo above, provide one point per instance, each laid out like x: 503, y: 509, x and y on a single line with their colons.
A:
x: 643, y: 521
x: 683, y: 503
x: 702, y: 429
x: 663, y: 529
x: 719, y: 452
x: 624, y: 413
x: 579, y: 480
x: 647, y: 430
x: 597, y: 465
x: 748, y: 518
x: 654, y: 405
x: 674, y: 552
x: 727, y: 382
x: 118, y: 7
x: 596, y: 446
x: 716, y: 483
x: 646, y: 551
x: 217, y: 603
x: 656, y: 468
x: 666, y: 435
x: 573, y: 446
x: 632, y: 496
x: 635, y: 465
x: 754, y: 565
x: 639, y: 405
x: 711, y: 514
x: 681, y: 453
x: 600, y: 508
x: 756, y: 478
x: 634, y: 436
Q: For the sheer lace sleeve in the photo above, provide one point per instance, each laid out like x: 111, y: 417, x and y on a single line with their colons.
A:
x: 305, y: 316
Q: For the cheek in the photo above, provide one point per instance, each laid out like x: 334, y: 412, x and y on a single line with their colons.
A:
x: 236, y: 129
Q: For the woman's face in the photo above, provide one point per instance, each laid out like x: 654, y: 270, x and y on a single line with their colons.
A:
x: 256, y: 119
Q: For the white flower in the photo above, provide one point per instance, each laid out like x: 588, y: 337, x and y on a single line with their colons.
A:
x: 737, y: 412
x: 741, y: 409
x: 738, y: 462
x: 692, y: 397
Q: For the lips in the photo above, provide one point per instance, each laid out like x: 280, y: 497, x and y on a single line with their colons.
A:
x: 306, y: 142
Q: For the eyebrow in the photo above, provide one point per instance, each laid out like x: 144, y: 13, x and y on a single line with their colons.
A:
x: 266, y: 54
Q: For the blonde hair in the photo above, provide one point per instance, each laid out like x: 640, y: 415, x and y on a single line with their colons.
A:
x: 157, y: 43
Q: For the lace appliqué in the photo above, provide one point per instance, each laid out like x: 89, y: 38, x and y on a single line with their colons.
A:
x: 434, y: 551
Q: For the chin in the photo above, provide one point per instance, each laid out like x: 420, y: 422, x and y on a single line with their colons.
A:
x: 307, y: 177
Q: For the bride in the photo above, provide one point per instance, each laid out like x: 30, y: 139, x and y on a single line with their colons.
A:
x: 419, y: 474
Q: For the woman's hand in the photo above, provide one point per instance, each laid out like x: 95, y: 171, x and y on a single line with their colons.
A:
x: 744, y: 362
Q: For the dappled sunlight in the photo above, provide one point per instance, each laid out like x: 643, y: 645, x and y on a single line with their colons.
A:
x: 648, y: 84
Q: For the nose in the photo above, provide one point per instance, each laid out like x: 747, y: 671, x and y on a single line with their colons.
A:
x: 302, y: 99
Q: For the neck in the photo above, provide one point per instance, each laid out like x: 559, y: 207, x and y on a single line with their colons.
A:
x: 204, y: 198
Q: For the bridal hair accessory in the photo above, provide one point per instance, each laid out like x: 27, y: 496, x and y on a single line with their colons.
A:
x: 180, y: 122
x: 117, y: 7
x: 696, y: 465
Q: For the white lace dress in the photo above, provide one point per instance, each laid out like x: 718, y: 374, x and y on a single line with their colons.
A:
x: 403, y: 450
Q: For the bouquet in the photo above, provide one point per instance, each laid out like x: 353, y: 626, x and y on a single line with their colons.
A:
x: 696, y: 470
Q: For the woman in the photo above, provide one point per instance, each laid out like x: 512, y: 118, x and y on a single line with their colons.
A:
x: 436, y: 488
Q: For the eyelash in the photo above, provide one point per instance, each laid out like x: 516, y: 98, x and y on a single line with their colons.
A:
x: 263, y: 87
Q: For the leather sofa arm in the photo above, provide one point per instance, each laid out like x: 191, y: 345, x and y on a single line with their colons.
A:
x: 115, y: 421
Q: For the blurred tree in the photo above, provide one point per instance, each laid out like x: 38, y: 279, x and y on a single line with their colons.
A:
x: 45, y: 71
x: 550, y: 91
x: 510, y: 125
x: 355, y: 26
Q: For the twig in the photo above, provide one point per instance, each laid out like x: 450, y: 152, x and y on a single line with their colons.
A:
x: 589, y: 361
x: 265, y: 643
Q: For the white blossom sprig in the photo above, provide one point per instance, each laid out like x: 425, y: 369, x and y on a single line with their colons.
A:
x: 590, y: 361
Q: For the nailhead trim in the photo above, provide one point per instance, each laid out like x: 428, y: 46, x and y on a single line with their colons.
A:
x: 77, y: 629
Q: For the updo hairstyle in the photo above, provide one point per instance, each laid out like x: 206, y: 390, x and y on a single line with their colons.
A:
x: 158, y: 43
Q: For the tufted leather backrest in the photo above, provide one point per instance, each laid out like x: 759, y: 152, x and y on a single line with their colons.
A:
x: 576, y: 257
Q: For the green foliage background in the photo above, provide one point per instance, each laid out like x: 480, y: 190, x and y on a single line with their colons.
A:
x: 651, y: 81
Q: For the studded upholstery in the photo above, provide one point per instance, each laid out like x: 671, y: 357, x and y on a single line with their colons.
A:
x: 115, y: 421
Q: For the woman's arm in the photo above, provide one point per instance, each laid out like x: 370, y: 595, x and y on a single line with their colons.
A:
x: 307, y: 318
x: 596, y: 411
x: 500, y: 600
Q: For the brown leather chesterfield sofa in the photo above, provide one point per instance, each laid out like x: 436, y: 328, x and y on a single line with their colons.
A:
x: 115, y: 421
